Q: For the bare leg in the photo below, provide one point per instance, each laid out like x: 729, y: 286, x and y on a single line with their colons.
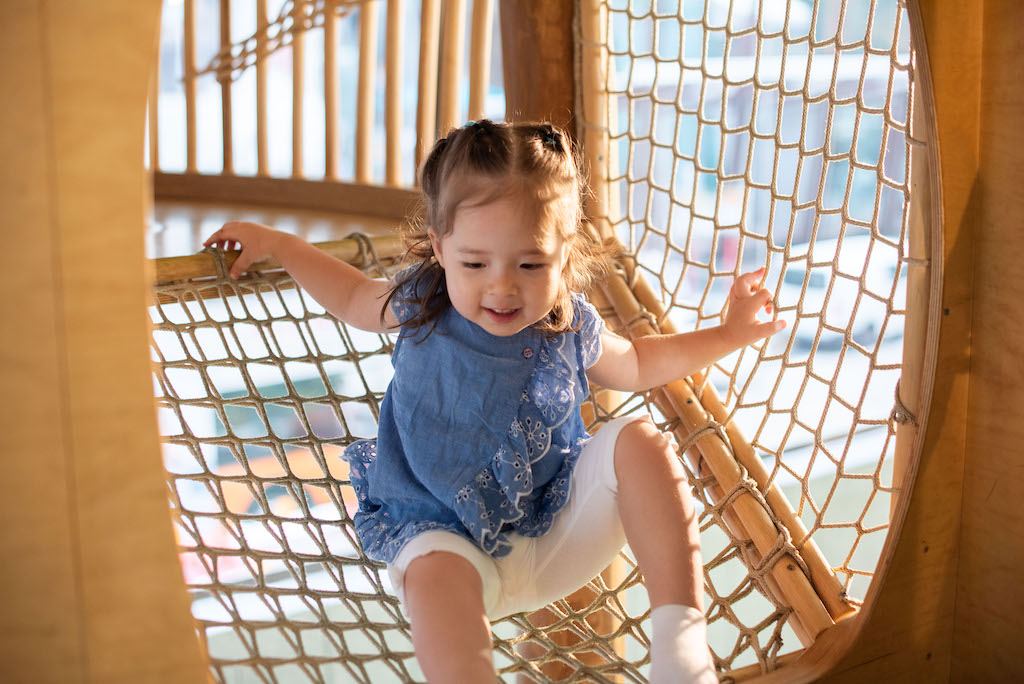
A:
x: 660, y: 522
x: 658, y: 516
x: 450, y: 632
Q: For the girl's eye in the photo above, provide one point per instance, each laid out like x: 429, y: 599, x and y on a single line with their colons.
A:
x: 531, y: 267
x: 472, y: 264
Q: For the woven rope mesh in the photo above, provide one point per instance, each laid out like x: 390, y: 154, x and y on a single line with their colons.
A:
x: 740, y: 135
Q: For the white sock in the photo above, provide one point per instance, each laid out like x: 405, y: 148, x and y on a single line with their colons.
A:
x: 679, y: 646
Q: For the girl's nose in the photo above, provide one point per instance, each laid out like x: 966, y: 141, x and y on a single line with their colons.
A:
x: 503, y: 283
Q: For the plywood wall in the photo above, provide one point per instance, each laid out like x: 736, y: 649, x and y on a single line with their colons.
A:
x: 990, y: 598
x: 90, y: 586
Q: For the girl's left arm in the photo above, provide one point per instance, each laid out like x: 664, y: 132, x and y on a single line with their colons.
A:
x: 658, y: 359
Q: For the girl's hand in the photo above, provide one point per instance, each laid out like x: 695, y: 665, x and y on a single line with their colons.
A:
x: 746, y: 299
x: 255, y: 241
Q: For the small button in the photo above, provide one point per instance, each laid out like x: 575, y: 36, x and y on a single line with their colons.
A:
x: 527, y: 353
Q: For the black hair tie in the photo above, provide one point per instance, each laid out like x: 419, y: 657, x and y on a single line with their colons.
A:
x: 550, y: 138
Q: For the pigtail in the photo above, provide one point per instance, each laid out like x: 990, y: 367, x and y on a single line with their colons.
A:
x: 425, y: 280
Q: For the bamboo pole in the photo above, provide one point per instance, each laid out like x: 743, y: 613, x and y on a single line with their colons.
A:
x: 298, y: 83
x: 594, y: 58
x: 825, y: 582
x: 730, y: 518
x: 426, y: 109
x: 189, y: 71
x: 797, y: 589
x: 452, y: 55
x: 332, y: 97
x: 204, y: 264
x: 480, y: 57
x: 393, y: 94
x: 228, y: 164
x: 753, y: 558
x: 262, y: 25
x: 367, y: 90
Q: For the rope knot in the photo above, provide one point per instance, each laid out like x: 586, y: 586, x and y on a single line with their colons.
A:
x: 900, y: 413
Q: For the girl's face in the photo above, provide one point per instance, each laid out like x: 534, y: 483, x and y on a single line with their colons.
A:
x: 502, y: 270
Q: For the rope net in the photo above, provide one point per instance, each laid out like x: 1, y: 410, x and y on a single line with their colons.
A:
x: 258, y: 392
x: 731, y: 135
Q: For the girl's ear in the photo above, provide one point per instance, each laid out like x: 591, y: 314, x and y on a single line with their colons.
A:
x: 567, y: 246
x: 435, y: 244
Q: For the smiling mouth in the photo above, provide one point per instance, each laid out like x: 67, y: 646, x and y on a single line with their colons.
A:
x: 502, y: 315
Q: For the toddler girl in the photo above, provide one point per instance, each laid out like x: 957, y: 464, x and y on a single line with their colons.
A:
x: 483, y: 492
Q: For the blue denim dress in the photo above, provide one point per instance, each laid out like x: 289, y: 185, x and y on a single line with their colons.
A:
x: 477, y: 435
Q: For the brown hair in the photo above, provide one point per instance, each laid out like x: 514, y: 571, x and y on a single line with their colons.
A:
x: 484, y: 161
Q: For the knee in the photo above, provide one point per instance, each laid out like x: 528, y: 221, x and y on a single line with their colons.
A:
x: 643, y: 437
x: 642, y: 445
x: 441, y: 569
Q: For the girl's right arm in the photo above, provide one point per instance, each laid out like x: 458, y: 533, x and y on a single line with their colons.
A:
x: 346, y: 292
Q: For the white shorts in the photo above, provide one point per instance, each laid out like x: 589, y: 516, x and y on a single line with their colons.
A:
x: 585, y: 537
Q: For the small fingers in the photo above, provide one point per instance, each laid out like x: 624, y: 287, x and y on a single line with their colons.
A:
x: 748, y: 283
x: 770, y: 328
x: 759, y: 297
x: 241, y: 265
x: 753, y: 279
x: 224, y: 238
x: 213, y: 240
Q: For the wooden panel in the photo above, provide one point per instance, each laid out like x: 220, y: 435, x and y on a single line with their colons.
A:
x: 39, y: 589
x: 986, y: 639
x: 111, y: 577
